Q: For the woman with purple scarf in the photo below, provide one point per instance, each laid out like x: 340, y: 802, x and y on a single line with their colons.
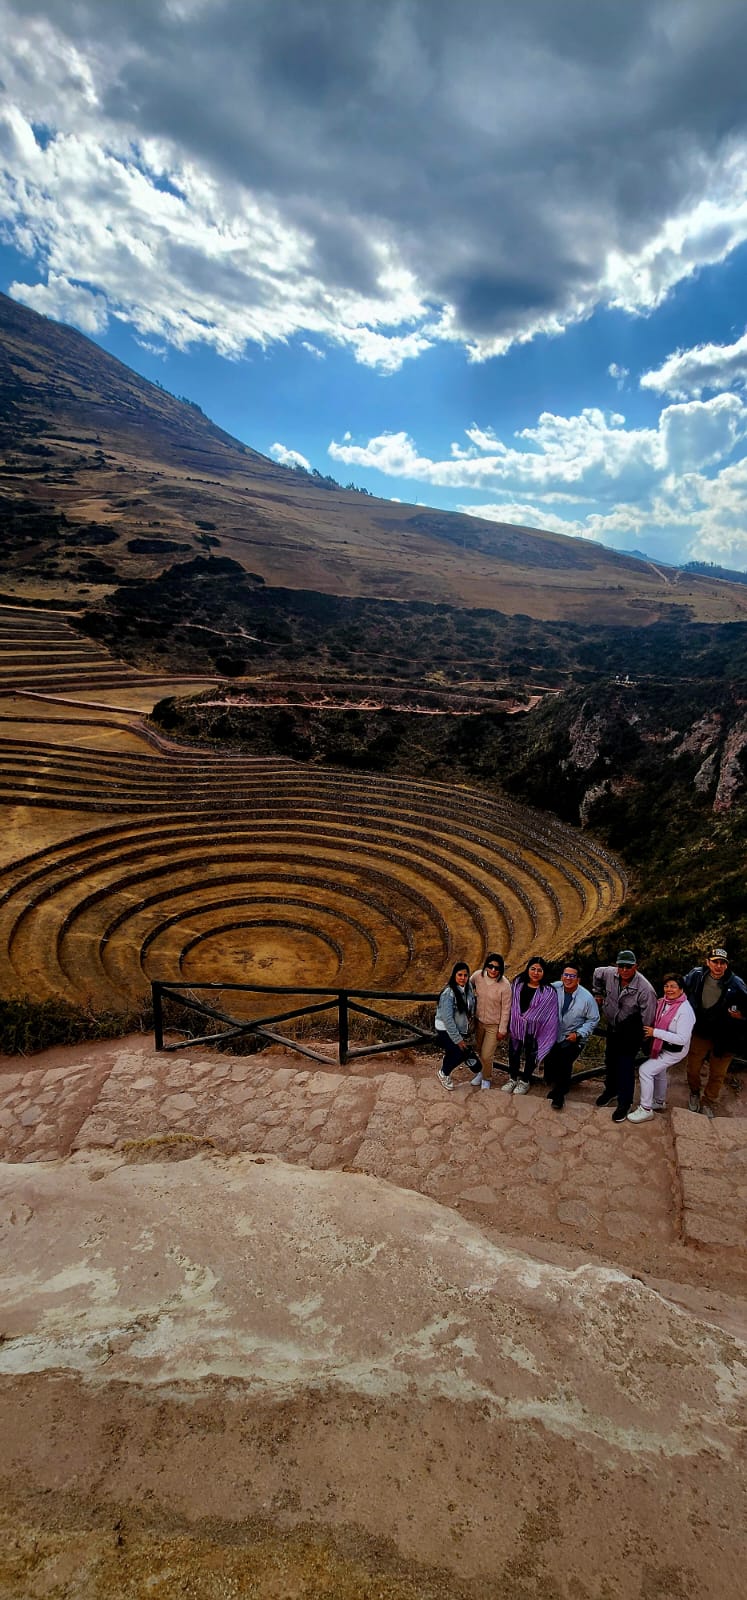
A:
x: 533, y: 1025
x: 673, y: 1024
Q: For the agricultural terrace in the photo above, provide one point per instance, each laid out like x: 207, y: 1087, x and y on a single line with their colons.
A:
x: 128, y: 858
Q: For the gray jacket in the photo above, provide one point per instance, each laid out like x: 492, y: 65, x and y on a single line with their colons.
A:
x: 627, y: 1008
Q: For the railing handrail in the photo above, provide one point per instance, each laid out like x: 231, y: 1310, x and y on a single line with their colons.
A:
x: 295, y: 988
x: 345, y: 1000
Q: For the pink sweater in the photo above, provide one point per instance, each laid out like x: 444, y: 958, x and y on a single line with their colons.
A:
x: 493, y: 1000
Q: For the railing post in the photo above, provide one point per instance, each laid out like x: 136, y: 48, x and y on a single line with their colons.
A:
x: 157, y: 1013
x: 342, y: 1030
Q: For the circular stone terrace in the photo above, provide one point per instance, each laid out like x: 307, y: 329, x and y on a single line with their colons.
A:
x: 129, y: 858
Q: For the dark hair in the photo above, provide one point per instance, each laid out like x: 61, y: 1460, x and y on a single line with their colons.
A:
x: 569, y: 962
x: 459, y: 966
x: 523, y: 977
x: 673, y: 977
x: 494, y: 956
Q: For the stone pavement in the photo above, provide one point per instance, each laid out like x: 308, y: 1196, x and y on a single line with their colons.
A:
x: 633, y: 1196
x: 712, y: 1168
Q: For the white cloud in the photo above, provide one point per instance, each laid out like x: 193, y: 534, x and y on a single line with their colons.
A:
x: 659, y: 488
x: 618, y: 373
x: 187, y: 262
x: 706, y: 366
x: 234, y: 171
x: 289, y: 458
x: 66, y: 301
x: 313, y: 350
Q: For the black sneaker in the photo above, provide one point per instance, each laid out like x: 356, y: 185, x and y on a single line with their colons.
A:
x: 620, y: 1114
x: 557, y: 1105
x: 605, y: 1098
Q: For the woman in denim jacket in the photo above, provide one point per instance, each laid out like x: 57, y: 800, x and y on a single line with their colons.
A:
x: 454, y: 1014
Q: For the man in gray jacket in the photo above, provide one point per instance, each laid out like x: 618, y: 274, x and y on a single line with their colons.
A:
x: 628, y: 1004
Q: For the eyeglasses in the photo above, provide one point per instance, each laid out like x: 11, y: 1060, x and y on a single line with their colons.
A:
x: 491, y: 967
x: 569, y: 974
x: 625, y: 966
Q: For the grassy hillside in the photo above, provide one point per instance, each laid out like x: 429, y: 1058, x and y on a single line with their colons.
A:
x: 105, y: 477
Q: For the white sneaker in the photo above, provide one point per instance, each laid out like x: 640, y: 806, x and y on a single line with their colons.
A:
x: 478, y: 1079
x: 660, y: 1105
x: 521, y: 1088
x: 707, y: 1110
x: 641, y: 1115
x: 485, y: 1083
x: 446, y: 1081
x: 508, y: 1087
x: 693, y: 1103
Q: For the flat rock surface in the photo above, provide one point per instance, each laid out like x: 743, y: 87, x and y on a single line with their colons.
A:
x: 241, y: 1343
x: 663, y: 1198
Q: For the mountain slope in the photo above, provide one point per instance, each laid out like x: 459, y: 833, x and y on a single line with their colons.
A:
x: 104, y: 476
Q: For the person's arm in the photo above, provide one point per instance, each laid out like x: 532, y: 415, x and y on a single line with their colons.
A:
x: 447, y: 1013
x: 737, y: 1007
x: 599, y: 981
x: 505, y: 1015
x: 647, y: 1004
x: 590, y: 1020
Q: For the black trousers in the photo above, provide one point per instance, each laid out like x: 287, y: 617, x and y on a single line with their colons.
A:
x: 559, y: 1066
x: 619, y: 1069
x: 527, y: 1047
x: 453, y: 1055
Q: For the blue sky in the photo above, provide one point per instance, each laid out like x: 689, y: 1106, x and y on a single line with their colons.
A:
x: 490, y: 258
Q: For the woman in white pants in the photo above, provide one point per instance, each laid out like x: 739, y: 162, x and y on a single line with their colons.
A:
x: 673, y: 1024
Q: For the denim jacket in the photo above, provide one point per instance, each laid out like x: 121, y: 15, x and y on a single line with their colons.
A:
x: 455, y: 1023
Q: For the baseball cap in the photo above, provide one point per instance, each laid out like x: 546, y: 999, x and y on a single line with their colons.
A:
x: 625, y: 958
x: 717, y: 954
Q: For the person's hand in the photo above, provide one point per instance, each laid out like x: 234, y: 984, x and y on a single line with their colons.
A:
x: 571, y: 1037
x: 734, y: 1011
x: 463, y: 1045
x: 501, y: 1036
x: 648, y: 1033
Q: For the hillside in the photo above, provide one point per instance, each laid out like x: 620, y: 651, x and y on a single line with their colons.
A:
x: 104, y: 477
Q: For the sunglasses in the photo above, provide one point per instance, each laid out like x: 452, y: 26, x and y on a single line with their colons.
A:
x: 491, y: 967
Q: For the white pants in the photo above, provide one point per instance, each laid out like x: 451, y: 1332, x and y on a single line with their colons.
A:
x: 652, y: 1077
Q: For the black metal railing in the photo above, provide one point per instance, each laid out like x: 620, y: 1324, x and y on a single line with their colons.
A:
x: 343, y: 1001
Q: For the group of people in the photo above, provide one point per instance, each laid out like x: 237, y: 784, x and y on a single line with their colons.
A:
x: 547, y: 1024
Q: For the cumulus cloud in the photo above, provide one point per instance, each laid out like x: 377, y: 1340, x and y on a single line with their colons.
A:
x: 289, y: 458
x: 66, y: 301
x: 387, y: 176
x: 706, y: 366
x: 618, y: 373
x: 664, y: 488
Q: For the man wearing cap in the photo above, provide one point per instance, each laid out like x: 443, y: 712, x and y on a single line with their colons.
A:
x: 719, y: 999
x: 628, y: 1004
